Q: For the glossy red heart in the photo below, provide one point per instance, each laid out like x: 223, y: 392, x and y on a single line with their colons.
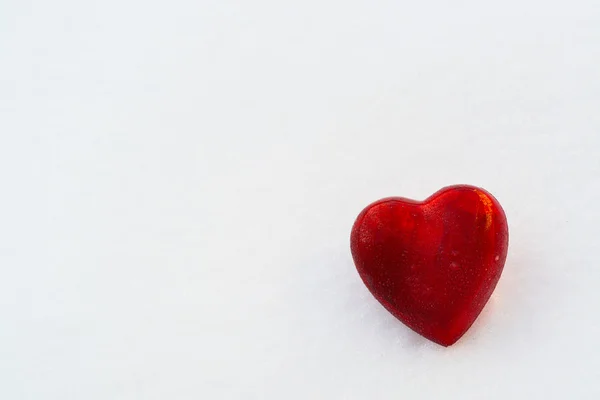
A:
x: 433, y: 264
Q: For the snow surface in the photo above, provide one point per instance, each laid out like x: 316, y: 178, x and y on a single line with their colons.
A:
x: 179, y: 180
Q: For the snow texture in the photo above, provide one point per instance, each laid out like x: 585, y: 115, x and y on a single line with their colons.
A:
x: 179, y: 180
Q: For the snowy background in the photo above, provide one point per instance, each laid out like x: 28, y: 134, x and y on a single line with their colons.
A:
x: 179, y: 180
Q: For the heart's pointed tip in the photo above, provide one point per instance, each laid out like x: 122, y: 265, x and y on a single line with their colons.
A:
x: 445, y: 343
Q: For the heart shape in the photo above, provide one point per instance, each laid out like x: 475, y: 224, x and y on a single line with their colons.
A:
x: 433, y: 264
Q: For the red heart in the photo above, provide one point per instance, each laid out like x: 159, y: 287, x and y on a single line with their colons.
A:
x: 432, y: 264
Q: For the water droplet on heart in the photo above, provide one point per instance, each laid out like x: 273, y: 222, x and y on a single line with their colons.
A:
x: 454, y: 265
x: 497, y: 258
